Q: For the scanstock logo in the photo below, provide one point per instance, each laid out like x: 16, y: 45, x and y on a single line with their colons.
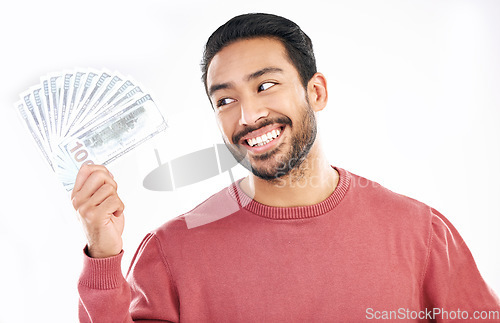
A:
x: 193, y: 168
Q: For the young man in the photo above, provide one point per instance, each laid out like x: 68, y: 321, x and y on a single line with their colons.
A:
x: 305, y: 242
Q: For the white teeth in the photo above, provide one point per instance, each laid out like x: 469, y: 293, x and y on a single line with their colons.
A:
x: 264, y: 139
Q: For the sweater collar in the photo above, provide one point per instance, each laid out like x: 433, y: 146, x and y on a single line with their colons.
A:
x: 297, y: 212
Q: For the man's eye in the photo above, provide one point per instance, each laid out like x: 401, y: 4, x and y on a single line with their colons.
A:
x: 265, y: 86
x: 224, y: 101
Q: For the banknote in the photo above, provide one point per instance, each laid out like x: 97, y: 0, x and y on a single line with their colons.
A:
x: 87, y: 116
x: 30, y: 126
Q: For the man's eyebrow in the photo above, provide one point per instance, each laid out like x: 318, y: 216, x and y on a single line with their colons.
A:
x: 263, y: 71
x: 217, y: 87
x: 254, y: 75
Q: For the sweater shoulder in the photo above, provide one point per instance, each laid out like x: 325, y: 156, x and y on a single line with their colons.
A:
x: 386, y: 204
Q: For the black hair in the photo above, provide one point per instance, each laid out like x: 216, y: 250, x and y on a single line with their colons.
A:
x: 297, y: 44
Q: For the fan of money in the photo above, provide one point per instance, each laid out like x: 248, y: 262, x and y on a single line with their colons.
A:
x: 87, y: 116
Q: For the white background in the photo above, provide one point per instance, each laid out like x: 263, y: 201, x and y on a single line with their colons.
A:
x: 414, y: 105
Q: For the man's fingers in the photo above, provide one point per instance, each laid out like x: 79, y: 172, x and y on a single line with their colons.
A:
x: 93, y: 183
x: 83, y: 174
x: 112, y: 204
x: 96, y: 180
x: 95, y: 216
x: 102, y: 193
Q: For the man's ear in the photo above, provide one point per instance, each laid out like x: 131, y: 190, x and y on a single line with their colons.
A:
x: 317, y: 92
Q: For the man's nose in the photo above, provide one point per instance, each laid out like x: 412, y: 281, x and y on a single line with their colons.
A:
x: 251, y: 111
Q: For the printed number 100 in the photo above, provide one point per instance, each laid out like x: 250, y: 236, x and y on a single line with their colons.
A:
x: 80, y: 155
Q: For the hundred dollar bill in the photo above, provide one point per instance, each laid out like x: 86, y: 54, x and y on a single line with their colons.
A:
x: 113, y: 137
x: 83, y: 94
x: 118, y: 93
x: 48, y: 107
x: 43, y: 112
x: 54, y: 83
x: 64, y: 100
x: 94, y: 93
x: 73, y: 101
x: 39, y: 142
x: 34, y: 113
x: 105, y: 90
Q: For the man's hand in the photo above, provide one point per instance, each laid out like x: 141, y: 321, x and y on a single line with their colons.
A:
x: 100, y: 209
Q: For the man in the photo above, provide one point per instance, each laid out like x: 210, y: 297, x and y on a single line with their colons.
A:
x: 306, y: 242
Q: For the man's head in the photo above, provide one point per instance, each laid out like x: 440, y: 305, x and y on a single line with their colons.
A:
x: 297, y: 44
x: 264, y: 91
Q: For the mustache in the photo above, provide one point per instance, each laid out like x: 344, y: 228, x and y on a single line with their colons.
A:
x: 280, y: 120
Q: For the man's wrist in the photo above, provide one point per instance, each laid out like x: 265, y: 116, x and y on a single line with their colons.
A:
x: 94, y: 252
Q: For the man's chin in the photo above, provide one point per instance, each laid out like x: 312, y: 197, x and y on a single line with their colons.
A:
x: 267, y: 169
x: 268, y: 175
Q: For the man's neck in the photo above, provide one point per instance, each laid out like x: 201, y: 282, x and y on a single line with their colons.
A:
x: 308, y: 184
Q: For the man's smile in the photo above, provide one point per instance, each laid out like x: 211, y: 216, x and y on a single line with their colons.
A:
x: 263, y: 135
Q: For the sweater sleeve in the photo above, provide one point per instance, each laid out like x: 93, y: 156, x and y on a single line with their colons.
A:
x: 147, y: 295
x: 452, y: 283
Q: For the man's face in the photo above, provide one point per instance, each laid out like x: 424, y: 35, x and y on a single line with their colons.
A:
x: 261, y: 106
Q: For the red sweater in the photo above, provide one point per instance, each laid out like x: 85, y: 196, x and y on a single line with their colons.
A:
x: 363, y: 253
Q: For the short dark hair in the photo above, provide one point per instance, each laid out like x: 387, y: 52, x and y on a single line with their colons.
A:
x: 297, y: 44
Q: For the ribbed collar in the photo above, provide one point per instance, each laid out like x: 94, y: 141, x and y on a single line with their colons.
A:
x: 297, y: 212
